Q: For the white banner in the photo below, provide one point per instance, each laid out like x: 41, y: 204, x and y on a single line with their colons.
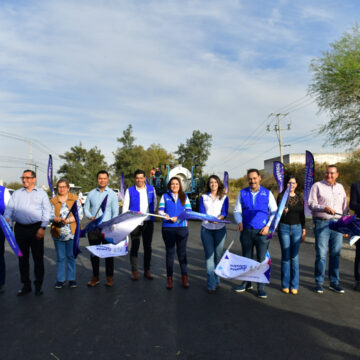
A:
x: 353, y: 240
x: 110, y: 250
x: 117, y: 229
x: 237, y: 267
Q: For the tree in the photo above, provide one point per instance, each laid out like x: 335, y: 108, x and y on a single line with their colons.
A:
x: 81, y: 166
x: 196, y: 150
x: 130, y: 157
x: 14, y: 185
x: 336, y: 87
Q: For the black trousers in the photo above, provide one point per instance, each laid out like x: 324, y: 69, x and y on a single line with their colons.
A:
x: 26, y: 238
x: 357, y: 261
x: 2, y: 258
x: 175, y: 237
x: 145, y: 231
x: 95, y: 238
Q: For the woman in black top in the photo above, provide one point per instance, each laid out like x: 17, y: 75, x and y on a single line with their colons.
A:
x: 291, y: 233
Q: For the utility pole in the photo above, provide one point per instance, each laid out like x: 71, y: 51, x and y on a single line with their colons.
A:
x: 277, y: 128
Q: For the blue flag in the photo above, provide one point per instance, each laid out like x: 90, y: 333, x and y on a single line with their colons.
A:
x: 91, y: 226
x: 50, y: 175
x: 226, y: 182
x: 308, y: 180
x: 346, y: 225
x: 9, y: 235
x: 76, y: 246
x: 278, y: 171
x: 193, y: 215
x: 279, y: 212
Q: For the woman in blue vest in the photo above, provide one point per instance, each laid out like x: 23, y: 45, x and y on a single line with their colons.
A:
x: 175, y: 234
x: 291, y: 233
x: 213, y: 235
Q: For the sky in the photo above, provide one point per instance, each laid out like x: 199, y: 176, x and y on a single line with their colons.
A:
x: 82, y: 71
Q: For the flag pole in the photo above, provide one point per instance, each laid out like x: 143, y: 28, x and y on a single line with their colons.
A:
x: 232, y: 242
x: 155, y: 215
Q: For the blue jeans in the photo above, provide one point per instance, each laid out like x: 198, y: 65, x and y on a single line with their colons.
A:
x: 250, y: 238
x: 64, y: 249
x: 213, y: 242
x: 326, y: 239
x: 290, y: 239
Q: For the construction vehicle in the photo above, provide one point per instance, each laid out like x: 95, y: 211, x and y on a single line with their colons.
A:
x: 192, y: 184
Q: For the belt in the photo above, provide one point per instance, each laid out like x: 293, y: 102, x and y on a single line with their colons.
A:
x: 29, y: 225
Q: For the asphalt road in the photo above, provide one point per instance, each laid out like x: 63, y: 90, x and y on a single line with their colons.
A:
x: 144, y: 320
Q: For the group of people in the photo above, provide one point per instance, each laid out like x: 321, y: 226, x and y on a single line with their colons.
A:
x: 255, y: 208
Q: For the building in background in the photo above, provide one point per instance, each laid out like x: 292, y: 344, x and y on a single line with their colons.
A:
x: 329, y: 158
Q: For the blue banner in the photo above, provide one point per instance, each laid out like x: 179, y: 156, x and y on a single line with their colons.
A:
x: 193, y: 215
x: 50, y: 175
x: 278, y: 171
x: 346, y: 225
x: 226, y: 182
x: 91, y: 226
x: 279, y: 212
x: 9, y: 235
x: 76, y: 246
x: 308, y: 180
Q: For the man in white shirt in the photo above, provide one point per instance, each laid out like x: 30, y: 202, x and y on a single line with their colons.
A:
x: 141, y: 198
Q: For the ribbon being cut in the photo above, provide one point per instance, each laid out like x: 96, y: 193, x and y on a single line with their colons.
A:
x: 116, y: 231
x: 91, y: 226
x: 9, y: 235
x: 349, y: 225
x: 193, y: 215
x: 279, y: 212
x: 237, y: 267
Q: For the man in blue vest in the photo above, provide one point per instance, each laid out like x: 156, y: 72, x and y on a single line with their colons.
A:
x: 141, y: 197
x: 4, y: 199
x: 254, y: 211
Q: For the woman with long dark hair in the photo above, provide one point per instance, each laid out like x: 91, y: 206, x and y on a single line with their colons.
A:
x: 175, y: 234
x: 291, y: 233
x: 213, y: 235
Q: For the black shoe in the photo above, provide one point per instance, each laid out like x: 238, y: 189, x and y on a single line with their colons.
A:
x: 38, y: 292
x: 24, y: 291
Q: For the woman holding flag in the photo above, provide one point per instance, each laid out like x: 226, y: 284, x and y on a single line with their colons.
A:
x: 213, y: 235
x: 291, y: 233
x: 175, y: 234
x: 62, y: 231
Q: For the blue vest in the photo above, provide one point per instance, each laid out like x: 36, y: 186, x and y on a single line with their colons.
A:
x: 255, y: 214
x: 173, y: 208
x: 2, y: 199
x: 135, y: 199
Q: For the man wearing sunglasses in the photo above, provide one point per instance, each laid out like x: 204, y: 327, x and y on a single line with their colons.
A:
x: 30, y: 209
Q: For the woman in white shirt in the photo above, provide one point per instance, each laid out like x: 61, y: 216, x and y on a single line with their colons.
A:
x: 213, y: 235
